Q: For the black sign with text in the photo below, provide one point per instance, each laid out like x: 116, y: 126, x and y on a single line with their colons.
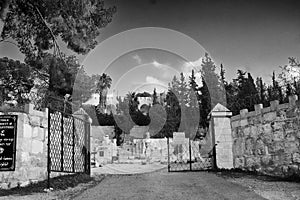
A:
x: 8, y: 135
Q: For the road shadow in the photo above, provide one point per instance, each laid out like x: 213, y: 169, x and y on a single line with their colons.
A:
x: 57, y: 183
x: 237, y: 173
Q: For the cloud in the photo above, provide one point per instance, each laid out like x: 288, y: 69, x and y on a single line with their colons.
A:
x: 164, y: 66
x: 166, y: 70
x: 137, y: 58
x: 158, y: 65
x: 193, y: 65
x: 196, y: 64
x: 149, y: 84
x: 153, y: 80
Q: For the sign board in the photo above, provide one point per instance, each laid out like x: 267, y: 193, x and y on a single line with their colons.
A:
x: 178, y: 137
x: 8, y: 136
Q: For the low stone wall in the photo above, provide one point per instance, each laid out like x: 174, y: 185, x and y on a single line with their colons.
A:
x: 267, y: 139
x: 31, y: 149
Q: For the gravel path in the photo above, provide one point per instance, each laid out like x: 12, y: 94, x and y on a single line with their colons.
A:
x: 164, y: 185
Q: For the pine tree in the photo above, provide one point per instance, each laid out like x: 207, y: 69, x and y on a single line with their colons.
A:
x: 205, y: 106
x: 252, y: 92
x: 231, y: 97
x: 192, y: 82
x: 222, y: 75
x: 261, y: 88
x: 183, y: 91
x: 213, y: 82
x: 242, y: 90
x: 154, y: 97
x: 212, y: 91
x: 172, y: 109
x: 247, y: 94
x: 276, y: 90
x: 194, y: 96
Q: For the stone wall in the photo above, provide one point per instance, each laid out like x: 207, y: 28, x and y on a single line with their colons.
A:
x: 31, y: 149
x: 267, y: 139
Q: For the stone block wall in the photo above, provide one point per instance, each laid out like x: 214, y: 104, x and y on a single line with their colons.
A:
x: 31, y: 149
x: 267, y: 140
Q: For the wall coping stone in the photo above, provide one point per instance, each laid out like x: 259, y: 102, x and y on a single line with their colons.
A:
x: 260, y: 110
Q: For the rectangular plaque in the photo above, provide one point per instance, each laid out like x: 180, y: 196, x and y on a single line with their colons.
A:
x: 8, y: 135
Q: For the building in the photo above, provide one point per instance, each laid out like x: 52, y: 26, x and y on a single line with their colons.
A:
x: 144, y: 101
x: 111, y: 102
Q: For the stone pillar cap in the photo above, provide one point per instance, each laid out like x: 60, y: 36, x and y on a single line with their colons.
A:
x: 220, y: 110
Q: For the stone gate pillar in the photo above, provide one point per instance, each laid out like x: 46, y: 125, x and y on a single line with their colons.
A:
x: 221, y: 136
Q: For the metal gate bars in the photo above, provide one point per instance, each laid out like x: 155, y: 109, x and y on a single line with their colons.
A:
x: 187, y: 156
x: 68, y: 143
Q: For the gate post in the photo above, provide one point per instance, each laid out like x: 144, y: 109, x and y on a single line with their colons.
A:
x: 87, y: 121
x: 48, y: 148
x: 87, y: 145
x: 190, y: 152
x: 221, y: 137
x: 168, y: 142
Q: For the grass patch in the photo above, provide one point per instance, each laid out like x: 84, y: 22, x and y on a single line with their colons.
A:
x: 57, y: 183
x: 239, y: 173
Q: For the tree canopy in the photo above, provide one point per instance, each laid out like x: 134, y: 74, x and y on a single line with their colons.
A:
x: 15, y: 79
x: 36, y: 25
x: 39, y: 28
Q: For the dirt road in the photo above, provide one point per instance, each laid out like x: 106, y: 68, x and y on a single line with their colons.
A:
x: 164, y: 185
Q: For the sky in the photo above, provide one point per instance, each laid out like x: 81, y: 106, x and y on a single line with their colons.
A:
x: 150, y: 41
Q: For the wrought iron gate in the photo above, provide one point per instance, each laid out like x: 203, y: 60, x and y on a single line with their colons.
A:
x: 188, y: 156
x: 68, y: 143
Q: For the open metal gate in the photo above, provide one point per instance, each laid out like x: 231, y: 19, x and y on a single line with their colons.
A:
x: 189, y: 155
x: 68, y: 143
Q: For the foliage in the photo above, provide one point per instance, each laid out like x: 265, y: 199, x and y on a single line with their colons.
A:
x: 212, y: 91
x: 144, y: 94
x: 35, y: 25
x: 103, y: 85
x: 154, y: 97
x: 289, y: 77
x: 243, y: 93
x: 205, y: 106
x: 182, y: 108
x: 118, y: 135
x: 84, y: 86
x: 212, y: 81
x: 275, y: 90
x: 15, y: 79
x: 56, y: 77
x: 172, y: 109
x: 261, y: 88
x: 222, y: 74
x: 105, y: 119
